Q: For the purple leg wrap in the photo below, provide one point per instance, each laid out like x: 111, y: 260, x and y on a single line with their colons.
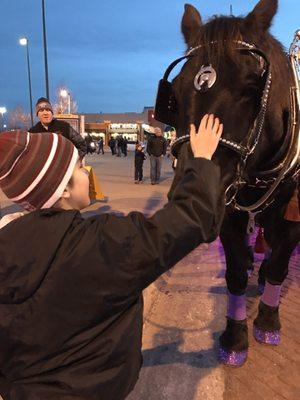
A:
x: 236, y: 307
x: 271, y: 295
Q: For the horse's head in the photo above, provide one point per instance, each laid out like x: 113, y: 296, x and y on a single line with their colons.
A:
x: 235, y: 95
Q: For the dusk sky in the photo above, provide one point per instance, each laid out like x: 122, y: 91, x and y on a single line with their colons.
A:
x: 109, y: 53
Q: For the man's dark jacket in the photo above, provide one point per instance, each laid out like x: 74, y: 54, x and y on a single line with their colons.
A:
x: 157, y: 146
x: 71, y: 306
x: 65, y: 129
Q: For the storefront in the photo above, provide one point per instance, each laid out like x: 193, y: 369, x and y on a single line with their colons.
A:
x: 97, y: 131
x: 131, y: 131
x: 129, y: 125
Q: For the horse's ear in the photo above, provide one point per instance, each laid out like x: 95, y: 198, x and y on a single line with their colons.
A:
x: 190, y: 24
x: 262, y: 15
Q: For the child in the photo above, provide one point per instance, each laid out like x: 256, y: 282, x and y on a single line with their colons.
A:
x: 71, y: 306
x: 138, y: 163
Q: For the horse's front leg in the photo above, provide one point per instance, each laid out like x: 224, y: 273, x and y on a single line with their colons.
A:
x: 234, y: 340
x: 282, y: 236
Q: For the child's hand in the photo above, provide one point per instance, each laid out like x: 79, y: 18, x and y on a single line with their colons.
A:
x: 205, y: 141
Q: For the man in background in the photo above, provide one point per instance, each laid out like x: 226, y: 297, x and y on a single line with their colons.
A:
x: 100, y: 146
x: 47, y: 123
x: 156, y: 148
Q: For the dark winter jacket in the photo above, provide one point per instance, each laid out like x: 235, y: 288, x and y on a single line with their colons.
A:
x: 139, y: 158
x: 112, y: 143
x: 65, y: 129
x: 71, y: 307
x: 157, y: 146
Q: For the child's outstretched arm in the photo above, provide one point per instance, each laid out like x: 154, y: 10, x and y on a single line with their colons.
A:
x: 139, y: 249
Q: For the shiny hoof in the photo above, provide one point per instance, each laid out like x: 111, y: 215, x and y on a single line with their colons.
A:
x: 232, y: 358
x: 266, y: 337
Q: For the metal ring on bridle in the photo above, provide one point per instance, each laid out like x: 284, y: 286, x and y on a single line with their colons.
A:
x: 205, y: 78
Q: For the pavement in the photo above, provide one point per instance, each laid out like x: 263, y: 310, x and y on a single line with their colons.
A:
x: 185, y: 310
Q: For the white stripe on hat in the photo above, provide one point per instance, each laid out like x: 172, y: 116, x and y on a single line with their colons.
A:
x: 43, y: 171
x: 63, y: 184
x: 17, y: 159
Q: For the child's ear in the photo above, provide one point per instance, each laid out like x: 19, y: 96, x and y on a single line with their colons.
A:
x: 66, y: 193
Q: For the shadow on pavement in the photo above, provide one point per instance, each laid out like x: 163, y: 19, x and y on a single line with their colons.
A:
x: 153, y: 202
x: 169, y: 353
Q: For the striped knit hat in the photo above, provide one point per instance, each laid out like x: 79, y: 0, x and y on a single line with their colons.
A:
x: 35, y: 168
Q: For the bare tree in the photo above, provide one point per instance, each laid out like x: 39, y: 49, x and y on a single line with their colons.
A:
x: 18, y: 118
x: 61, y: 104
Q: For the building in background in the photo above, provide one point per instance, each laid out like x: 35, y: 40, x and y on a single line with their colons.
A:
x: 134, y: 126
x: 130, y: 125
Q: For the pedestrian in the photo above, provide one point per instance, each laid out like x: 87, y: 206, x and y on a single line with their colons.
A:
x: 139, y: 158
x: 124, y: 146
x: 119, y: 145
x: 156, y: 148
x: 100, y: 146
x: 47, y: 123
x: 112, y: 145
x: 71, y: 306
x: 88, y: 141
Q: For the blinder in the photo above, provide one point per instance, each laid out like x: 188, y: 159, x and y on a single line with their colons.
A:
x: 166, y: 108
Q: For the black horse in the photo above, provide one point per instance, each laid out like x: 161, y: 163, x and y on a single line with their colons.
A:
x: 238, y: 71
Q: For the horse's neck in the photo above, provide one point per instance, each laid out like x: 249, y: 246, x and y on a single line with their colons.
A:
x: 269, y: 159
x: 276, y: 136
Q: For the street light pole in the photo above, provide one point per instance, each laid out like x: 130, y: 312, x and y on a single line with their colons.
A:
x: 45, y: 50
x: 25, y: 42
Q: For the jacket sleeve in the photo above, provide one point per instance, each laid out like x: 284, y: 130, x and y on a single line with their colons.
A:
x: 149, y: 146
x: 78, y: 142
x: 137, y: 250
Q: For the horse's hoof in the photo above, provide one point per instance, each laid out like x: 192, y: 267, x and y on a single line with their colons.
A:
x: 266, y: 326
x: 266, y: 337
x: 232, y: 358
x: 233, y: 346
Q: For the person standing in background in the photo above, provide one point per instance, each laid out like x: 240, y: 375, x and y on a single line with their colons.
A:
x: 139, y: 158
x: 100, y: 146
x: 124, y: 146
x: 112, y: 145
x: 47, y: 123
x: 156, y: 148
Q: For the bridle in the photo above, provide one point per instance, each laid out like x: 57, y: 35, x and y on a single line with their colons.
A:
x: 166, y: 107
